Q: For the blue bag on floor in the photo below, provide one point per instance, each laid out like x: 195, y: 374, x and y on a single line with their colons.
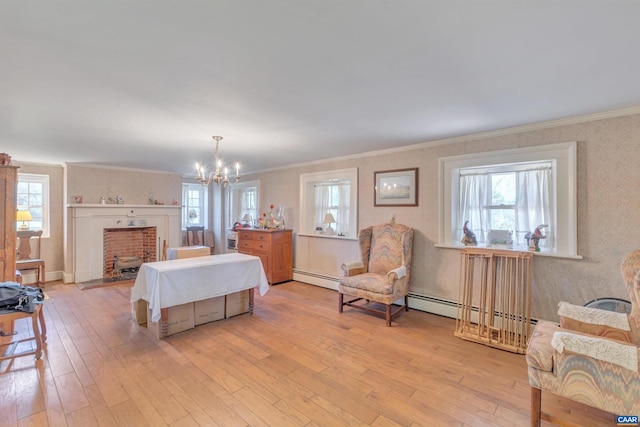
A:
x: 16, y: 297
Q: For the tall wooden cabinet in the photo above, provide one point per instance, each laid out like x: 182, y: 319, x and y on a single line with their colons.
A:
x: 8, y: 182
x: 273, y: 247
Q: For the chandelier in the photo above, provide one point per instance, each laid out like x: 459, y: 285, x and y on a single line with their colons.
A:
x: 220, y: 175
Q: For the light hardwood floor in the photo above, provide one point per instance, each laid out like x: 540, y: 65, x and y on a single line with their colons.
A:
x: 295, y: 362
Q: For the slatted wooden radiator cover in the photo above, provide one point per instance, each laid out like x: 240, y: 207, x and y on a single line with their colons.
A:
x: 494, y: 299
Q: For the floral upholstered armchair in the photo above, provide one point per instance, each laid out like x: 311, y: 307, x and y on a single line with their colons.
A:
x: 382, y: 273
x: 592, y: 356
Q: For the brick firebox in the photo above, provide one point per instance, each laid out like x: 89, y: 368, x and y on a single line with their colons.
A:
x: 128, y: 242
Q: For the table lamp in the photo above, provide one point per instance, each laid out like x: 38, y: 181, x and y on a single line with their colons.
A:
x: 23, y: 216
x: 329, y: 219
x: 247, y: 219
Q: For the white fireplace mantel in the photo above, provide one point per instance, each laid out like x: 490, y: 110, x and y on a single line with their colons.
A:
x: 87, y: 224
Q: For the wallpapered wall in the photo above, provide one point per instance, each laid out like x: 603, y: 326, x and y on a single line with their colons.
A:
x: 608, y: 208
x: 135, y: 187
x: 608, y: 211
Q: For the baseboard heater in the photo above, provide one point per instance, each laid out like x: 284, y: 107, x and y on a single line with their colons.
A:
x: 417, y: 302
x: 439, y: 306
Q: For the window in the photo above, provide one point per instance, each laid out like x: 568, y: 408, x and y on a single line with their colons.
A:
x: 243, y: 200
x: 194, y: 205
x: 332, y: 198
x: 516, y: 190
x: 513, y: 197
x: 333, y: 192
x: 33, y: 195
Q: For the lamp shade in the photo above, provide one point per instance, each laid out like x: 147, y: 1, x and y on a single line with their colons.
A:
x: 23, y: 216
x: 246, y: 218
x: 328, y: 218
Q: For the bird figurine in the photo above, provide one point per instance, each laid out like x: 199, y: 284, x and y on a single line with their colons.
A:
x: 469, y: 238
x: 535, y: 237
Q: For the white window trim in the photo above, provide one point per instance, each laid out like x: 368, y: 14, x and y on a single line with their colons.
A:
x: 564, y: 156
x: 307, y: 211
x: 46, y: 205
x: 204, y: 208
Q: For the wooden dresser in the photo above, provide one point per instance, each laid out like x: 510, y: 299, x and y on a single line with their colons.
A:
x: 274, y: 247
x: 8, y: 183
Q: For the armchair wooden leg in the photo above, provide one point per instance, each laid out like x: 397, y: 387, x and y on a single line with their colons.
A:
x: 340, y: 300
x: 536, y: 406
x: 406, y: 303
x: 388, y: 313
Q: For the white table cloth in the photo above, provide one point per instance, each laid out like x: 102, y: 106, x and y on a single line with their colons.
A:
x: 167, y: 283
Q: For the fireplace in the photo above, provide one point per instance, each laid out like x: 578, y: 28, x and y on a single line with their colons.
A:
x: 87, y: 261
x: 125, y: 249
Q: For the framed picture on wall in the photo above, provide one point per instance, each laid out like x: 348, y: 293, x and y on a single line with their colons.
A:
x: 397, y: 187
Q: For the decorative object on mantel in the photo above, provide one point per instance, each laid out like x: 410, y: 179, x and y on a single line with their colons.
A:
x: 221, y: 174
x: 110, y: 197
x: 23, y: 216
x: 469, y: 238
x: 329, y: 219
x: 5, y: 159
x: 534, y: 238
x: 77, y: 199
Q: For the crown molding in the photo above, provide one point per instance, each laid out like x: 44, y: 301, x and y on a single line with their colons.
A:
x: 629, y: 111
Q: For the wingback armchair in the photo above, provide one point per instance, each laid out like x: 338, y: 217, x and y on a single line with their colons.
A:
x: 382, y: 273
x: 592, y: 356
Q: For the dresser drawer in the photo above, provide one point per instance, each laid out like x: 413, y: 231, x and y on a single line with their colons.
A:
x: 249, y: 235
x: 254, y: 245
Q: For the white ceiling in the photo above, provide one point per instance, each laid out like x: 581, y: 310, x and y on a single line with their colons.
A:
x: 146, y: 83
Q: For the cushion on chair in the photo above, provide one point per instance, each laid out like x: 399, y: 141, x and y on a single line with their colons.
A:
x: 539, y: 351
x: 386, y: 254
x: 606, y: 350
x: 374, y: 283
x: 594, y: 321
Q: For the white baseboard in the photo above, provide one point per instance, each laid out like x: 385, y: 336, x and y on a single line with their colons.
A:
x: 49, y: 276
x: 316, y: 279
x: 439, y: 306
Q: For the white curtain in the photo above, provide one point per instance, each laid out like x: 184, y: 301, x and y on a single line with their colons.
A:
x: 534, y: 203
x: 343, y: 209
x: 475, y: 194
x: 322, y: 200
x: 324, y: 204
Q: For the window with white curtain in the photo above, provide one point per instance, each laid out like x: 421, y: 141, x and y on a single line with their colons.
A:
x: 194, y: 205
x: 515, y: 197
x: 333, y: 198
x: 515, y: 190
x: 243, y: 202
x: 334, y: 192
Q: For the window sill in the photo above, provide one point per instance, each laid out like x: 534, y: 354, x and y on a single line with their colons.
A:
x: 516, y: 249
x: 325, y: 236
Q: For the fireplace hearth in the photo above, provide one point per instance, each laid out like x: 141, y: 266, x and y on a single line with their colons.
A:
x: 125, y: 249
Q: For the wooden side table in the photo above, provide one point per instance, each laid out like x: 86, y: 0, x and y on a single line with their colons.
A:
x: 39, y: 333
